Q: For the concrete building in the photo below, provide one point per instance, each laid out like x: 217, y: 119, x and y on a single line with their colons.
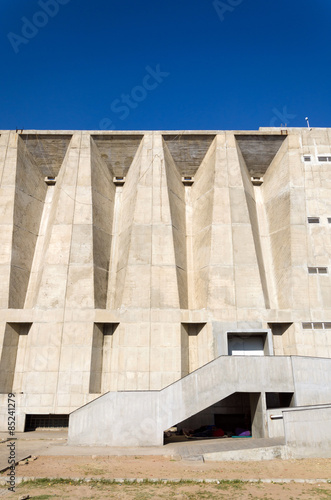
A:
x: 130, y: 260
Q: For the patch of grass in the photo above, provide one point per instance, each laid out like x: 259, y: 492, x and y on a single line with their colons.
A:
x: 46, y: 481
x: 144, y: 496
x: 225, y: 484
x: 166, y: 490
x: 202, y: 494
x: 44, y: 497
x: 324, y: 494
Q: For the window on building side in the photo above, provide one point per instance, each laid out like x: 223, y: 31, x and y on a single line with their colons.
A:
x: 307, y: 158
x: 324, y: 158
x: 317, y: 270
x: 50, y: 180
x: 316, y: 326
x: 312, y: 270
x: 313, y: 220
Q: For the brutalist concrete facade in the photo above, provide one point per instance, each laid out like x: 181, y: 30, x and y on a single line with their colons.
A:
x: 131, y: 259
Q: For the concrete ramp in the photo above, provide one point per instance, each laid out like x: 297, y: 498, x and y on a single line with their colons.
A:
x: 138, y: 418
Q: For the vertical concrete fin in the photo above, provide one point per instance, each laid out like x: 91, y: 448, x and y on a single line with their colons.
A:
x: 220, y: 275
x: 149, y: 273
x: 47, y: 155
x: 277, y: 202
x: 185, y: 153
x: 52, y: 274
x: 176, y: 199
x: 8, y: 152
x: 168, y: 279
x: 254, y: 221
x: 80, y: 284
x: 4, y: 144
x: 103, y: 201
x: 248, y: 287
x: 10, y: 337
x: 202, y: 198
x: 30, y: 194
x: 112, y: 156
x: 123, y: 287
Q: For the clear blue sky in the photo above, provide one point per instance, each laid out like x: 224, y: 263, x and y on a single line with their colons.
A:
x: 244, y: 64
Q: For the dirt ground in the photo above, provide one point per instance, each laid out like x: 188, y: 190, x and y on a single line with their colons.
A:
x: 148, y: 467
x: 231, y: 477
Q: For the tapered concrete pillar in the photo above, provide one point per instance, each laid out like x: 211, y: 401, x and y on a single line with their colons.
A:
x: 103, y: 205
x: 258, y: 414
x: 52, y: 279
x: 8, y: 165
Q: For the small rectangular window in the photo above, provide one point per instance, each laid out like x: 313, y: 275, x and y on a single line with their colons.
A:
x: 188, y: 180
x: 329, y: 220
x: 324, y: 158
x: 313, y: 220
x: 119, y: 181
x: 317, y: 270
x: 316, y: 326
x: 257, y: 180
x: 307, y: 158
x: 50, y: 180
x: 312, y: 270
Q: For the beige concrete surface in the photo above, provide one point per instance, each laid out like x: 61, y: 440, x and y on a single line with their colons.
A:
x: 131, y: 285
x: 54, y: 443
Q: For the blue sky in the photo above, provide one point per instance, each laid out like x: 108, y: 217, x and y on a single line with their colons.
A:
x: 175, y: 65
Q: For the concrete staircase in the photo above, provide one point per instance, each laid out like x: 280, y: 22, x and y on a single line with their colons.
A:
x: 138, y: 418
